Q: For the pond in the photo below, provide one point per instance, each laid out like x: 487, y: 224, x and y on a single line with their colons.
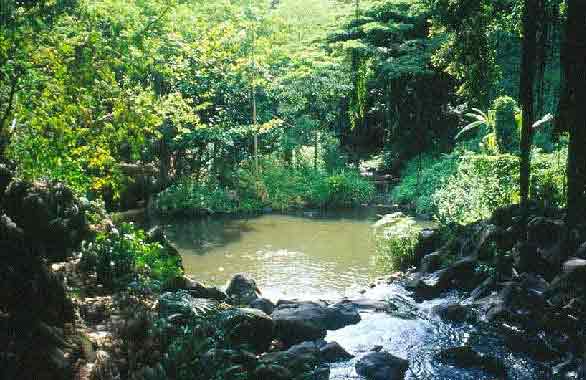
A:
x: 311, y: 255
x: 328, y: 256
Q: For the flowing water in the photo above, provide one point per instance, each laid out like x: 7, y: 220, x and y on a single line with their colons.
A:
x: 329, y: 256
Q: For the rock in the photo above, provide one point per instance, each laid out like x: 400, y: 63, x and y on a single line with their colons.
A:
x: 453, y: 313
x: 53, y: 219
x: 429, y: 241
x: 272, y: 372
x: 249, y: 327
x: 581, y: 252
x: 382, y: 366
x: 242, y: 290
x: 574, y: 264
x: 431, y: 263
x: 94, y: 312
x: 181, y: 303
x: 300, y: 359
x: 341, y: 315
x: 307, y: 321
x: 332, y: 352
x: 5, y: 178
x: 466, y: 357
x: 263, y: 304
x: 194, y: 288
x: 545, y: 232
x: 105, y: 368
x: 460, y: 275
x: 483, y: 290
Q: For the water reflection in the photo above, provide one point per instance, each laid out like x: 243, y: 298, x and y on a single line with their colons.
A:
x: 322, y: 256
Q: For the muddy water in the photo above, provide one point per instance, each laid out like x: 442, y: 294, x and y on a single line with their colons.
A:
x: 310, y: 255
x: 329, y: 256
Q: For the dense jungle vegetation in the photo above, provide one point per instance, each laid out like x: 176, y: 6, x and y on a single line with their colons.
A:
x: 448, y: 110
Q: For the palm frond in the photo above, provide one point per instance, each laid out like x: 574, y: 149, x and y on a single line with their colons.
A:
x: 546, y: 119
x: 480, y: 112
x: 470, y: 127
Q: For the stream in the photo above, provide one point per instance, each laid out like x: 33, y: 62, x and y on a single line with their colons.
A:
x: 313, y: 256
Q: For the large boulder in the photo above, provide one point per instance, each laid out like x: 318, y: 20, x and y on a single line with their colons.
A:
x: 460, y: 275
x: 248, y: 327
x: 332, y: 352
x: 382, y: 366
x: 453, y: 312
x: 242, y: 290
x: 467, y: 357
x: 545, y: 232
x: 302, y: 361
x: 52, y: 218
x: 307, y: 321
x: 194, y: 288
x: 263, y: 304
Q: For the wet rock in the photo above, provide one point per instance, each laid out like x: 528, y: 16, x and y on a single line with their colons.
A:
x: 300, y: 359
x: 382, y: 366
x: 194, y: 288
x: 332, y: 352
x: 249, y: 327
x: 453, y: 313
x: 341, y: 315
x: 307, y: 321
x: 263, y: 304
x: 242, y: 290
x: 272, y: 372
x: 431, y: 263
x: 467, y: 357
x: 484, y: 289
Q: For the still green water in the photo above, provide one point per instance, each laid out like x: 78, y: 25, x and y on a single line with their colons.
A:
x: 306, y: 256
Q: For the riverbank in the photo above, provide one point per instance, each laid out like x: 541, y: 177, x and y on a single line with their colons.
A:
x: 142, y: 319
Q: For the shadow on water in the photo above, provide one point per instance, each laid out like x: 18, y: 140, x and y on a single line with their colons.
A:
x: 314, y: 255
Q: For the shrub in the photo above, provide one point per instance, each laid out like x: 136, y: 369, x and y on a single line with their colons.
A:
x: 188, y: 197
x: 419, y: 191
x: 396, y: 244
x: 505, y: 125
x: 124, y: 254
x: 481, y: 184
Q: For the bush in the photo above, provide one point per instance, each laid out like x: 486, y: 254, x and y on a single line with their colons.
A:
x: 188, y: 197
x: 396, y: 244
x: 481, y: 184
x: 123, y: 255
x: 418, y: 188
x: 282, y: 186
x: 505, y: 124
x: 464, y: 188
x: 276, y: 184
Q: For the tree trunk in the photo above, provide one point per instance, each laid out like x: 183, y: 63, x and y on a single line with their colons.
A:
x: 526, y: 87
x: 572, y: 106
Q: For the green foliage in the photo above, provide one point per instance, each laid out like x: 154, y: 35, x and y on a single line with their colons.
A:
x: 422, y: 178
x: 463, y: 187
x: 481, y: 184
x: 124, y: 255
x: 505, y: 124
x: 191, y: 198
x: 396, y: 244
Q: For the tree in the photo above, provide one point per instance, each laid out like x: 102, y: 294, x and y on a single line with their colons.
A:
x: 572, y: 112
x: 529, y: 52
